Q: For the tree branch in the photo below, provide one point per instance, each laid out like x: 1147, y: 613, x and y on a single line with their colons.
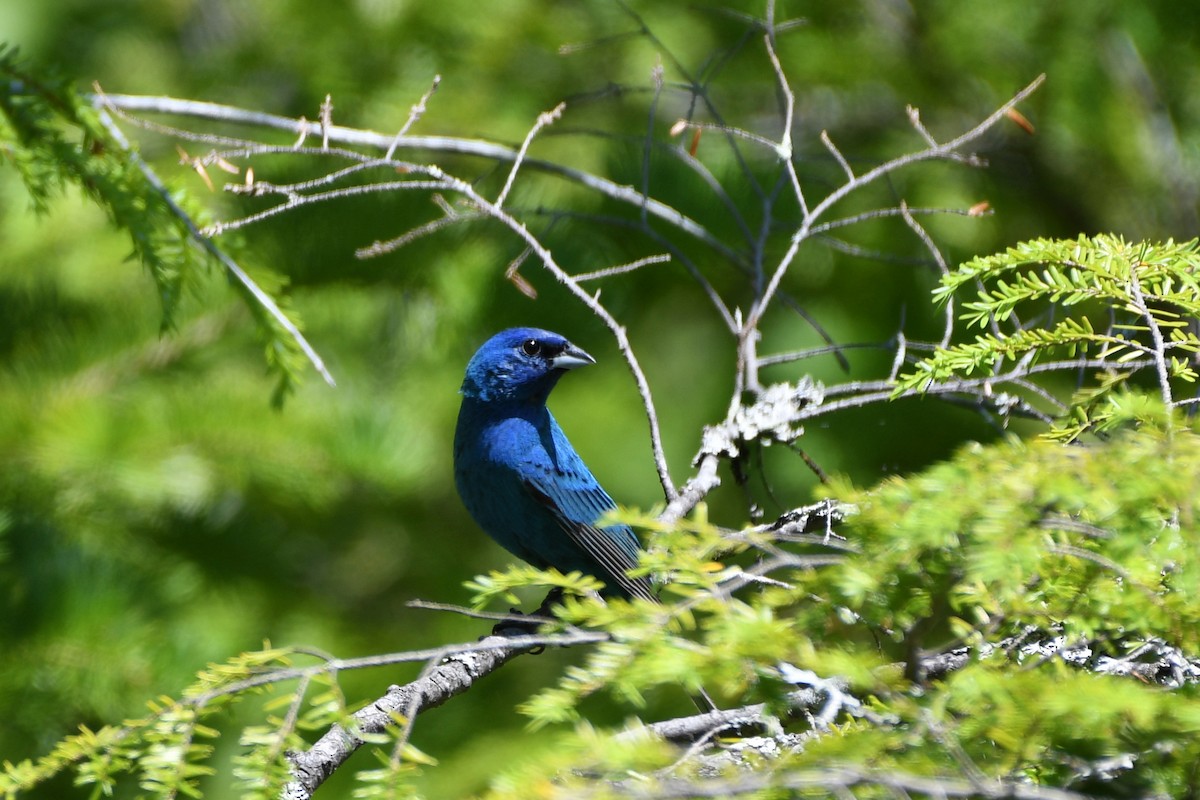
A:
x: 838, y: 781
x: 434, y: 144
x: 457, y: 673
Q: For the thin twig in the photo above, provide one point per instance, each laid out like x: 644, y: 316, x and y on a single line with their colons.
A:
x: 901, y: 353
x: 940, y: 151
x: 685, y: 124
x: 837, y: 154
x: 427, y: 605
x: 414, y: 114
x: 380, y: 248
x: 621, y: 269
x: 1160, y: 350
x: 943, y: 267
x: 326, y: 120
x: 802, y: 355
x: 544, y: 119
x: 879, y: 213
x: 295, y: 201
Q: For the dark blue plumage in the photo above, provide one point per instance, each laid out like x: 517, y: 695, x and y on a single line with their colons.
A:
x: 519, y: 476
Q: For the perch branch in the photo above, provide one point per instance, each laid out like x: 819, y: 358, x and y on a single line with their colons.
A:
x: 457, y: 672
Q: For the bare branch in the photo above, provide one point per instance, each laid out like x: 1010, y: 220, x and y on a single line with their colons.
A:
x: 326, y: 120
x: 621, y: 269
x: 685, y: 124
x: 456, y: 673
x: 695, y: 490
x: 941, y: 151
x: 914, y: 117
x: 837, y: 155
x: 512, y: 273
x: 802, y: 355
x: 544, y: 119
x: 380, y: 248
x: 527, y: 619
x: 438, y: 180
x: 295, y: 201
x: 901, y: 352
x: 927, y: 240
x: 436, y: 144
x: 881, y: 213
x: 784, y: 148
x: 1160, y: 350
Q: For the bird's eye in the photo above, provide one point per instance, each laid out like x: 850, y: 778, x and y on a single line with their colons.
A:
x: 531, y: 347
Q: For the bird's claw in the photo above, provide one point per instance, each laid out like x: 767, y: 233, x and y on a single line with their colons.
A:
x: 516, y: 624
x: 553, y: 598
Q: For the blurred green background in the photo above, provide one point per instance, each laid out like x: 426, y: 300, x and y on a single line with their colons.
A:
x: 156, y: 513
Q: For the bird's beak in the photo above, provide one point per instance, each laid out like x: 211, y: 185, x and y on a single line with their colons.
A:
x: 571, y: 358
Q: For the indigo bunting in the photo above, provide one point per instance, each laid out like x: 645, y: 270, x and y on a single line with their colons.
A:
x: 517, y: 473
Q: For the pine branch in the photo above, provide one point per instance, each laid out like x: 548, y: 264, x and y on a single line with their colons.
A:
x: 56, y: 140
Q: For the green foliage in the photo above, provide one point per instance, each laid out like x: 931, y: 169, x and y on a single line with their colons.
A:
x: 1098, y: 538
x: 1119, y: 307
x: 56, y: 140
x: 1092, y: 545
x: 167, y: 750
x: 485, y: 589
x: 1104, y: 268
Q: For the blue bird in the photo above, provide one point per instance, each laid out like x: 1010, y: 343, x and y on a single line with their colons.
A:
x: 517, y: 473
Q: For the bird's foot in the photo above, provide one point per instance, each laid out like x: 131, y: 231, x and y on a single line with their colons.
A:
x: 518, y: 624
x: 554, y: 598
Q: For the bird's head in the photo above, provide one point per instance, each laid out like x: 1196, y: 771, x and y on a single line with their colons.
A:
x: 521, y: 365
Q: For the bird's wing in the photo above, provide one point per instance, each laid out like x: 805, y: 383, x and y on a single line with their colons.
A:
x: 614, y: 548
